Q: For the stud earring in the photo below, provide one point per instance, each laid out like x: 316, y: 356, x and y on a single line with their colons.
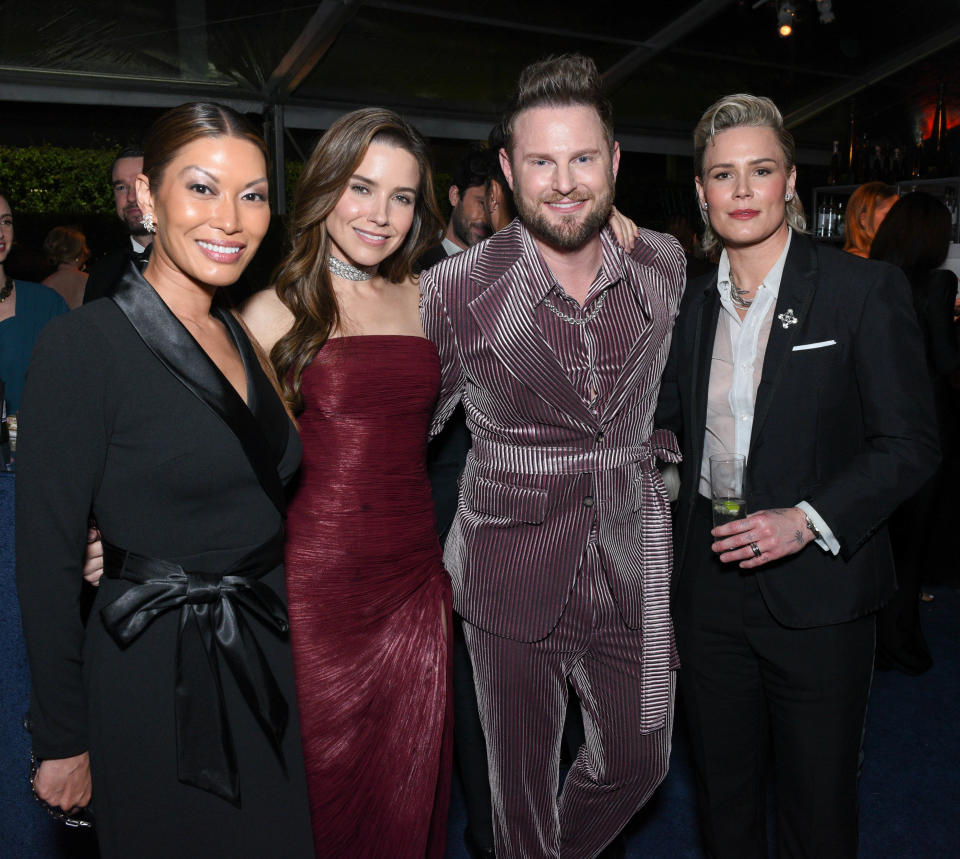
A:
x: 788, y: 196
x: 148, y: 224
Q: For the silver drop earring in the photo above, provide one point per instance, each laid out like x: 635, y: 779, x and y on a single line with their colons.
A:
x: 148, y: 224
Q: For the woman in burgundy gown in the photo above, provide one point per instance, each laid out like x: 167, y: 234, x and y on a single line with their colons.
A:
x: 369, y: 599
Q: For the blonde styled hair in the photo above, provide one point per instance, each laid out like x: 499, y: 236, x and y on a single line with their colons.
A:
x: 737, y: 111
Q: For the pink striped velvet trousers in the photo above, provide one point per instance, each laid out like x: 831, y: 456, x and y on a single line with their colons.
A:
x: 522, y: 692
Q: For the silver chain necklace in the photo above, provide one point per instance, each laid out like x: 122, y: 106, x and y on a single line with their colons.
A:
x: 345, y: 270
x: 578, y: 320
x: 736, y: 295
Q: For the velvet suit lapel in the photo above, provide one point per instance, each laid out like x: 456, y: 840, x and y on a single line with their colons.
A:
x: 634, y: 364
x: 504, y: 313
x: 797, y: 287
x: 183, y: 357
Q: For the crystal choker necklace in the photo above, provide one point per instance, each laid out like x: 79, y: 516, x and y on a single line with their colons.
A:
x: 345, y: 270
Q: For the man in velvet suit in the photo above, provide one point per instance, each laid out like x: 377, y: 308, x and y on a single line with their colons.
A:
x: 555, y: 340
x: 809, y: 362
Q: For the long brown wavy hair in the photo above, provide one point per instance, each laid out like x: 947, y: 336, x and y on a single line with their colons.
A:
x: 302, y: 281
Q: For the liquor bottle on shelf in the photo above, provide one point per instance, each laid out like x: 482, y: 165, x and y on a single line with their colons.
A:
x: 841, y: 222
x: 830, y: 219
x: 919, y: 161
x: 861, y: 163
x: 896, y: 165
x: 936, y: 133
x: 951, y: 202
x: 876, y: 164
x: 834, y: 176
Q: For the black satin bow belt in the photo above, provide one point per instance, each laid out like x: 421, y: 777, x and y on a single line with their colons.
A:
x: 212, y: 608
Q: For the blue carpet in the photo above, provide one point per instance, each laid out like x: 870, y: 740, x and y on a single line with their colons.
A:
x: 910, y: 784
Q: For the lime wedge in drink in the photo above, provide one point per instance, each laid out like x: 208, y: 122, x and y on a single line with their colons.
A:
x: 732, y: 507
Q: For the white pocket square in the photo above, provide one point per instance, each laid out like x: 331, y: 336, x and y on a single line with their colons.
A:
x: 819, y: 345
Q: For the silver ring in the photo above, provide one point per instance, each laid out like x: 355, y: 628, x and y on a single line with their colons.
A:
x: 756, y: 550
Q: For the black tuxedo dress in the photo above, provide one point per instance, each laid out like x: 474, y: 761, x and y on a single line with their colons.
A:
x: 126, y: 419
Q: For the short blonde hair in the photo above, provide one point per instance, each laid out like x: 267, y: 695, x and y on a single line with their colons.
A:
x: 736, y: 111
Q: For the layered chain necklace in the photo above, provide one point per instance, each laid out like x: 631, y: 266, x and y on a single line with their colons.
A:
x: 7, y: 289
x: 345, y: 270
x: 578, y: 320
x: 736, y: 295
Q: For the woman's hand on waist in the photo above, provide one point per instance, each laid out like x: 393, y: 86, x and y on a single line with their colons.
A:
x: 93, y: 557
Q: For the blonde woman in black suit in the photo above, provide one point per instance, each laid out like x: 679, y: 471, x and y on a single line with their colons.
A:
x: 809, y: 362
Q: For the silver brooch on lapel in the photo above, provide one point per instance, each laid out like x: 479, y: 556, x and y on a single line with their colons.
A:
x: 787, y: 319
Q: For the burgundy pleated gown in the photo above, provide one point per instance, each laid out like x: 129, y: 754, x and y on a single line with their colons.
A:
x: 369, y: 602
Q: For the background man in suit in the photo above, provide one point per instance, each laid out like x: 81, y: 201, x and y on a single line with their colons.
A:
x: 809, y: 362
x: 123, y: 175
x: 555, y: 339
x: 468, y: 222
x: 446, y: 455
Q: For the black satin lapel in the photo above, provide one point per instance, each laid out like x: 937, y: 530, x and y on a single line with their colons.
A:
x: 797, y: 287
x: 503, y: 314
x: 176, y: 349
x: 262, y: 398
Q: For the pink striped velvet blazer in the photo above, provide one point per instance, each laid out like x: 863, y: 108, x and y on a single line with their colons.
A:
x: 545, y: 470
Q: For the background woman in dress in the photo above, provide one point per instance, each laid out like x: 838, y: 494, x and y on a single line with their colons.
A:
x: 915, y: 237
x: 25, y: 308
x: 66, y: 248
x: 369, y: 598
x: 808, y: 362
x: 150, y: 412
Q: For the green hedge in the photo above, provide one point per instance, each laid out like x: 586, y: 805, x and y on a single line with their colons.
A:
x: 52, y: 179
x: 46, y: 179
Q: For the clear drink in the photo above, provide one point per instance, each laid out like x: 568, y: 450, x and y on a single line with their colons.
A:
x: 728, y: 509
x: 726, y: 488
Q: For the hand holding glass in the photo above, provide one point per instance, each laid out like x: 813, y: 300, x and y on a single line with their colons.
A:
x: 726, y: 488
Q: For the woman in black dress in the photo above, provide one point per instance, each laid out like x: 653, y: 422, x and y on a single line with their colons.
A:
x: 173, y: 709
x: 915, y: 237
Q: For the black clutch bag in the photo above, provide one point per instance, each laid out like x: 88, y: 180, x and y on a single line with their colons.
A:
x: 80, y: 818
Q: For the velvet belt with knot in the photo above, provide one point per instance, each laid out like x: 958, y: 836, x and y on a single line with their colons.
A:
x: 212, y: 608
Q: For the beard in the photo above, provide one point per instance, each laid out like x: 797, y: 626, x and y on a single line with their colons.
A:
x: 571, y: 232
x: 134, y: 224
x: 462, y: 228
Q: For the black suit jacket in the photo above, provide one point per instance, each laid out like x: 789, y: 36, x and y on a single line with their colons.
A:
x: 109, y: 270
x: 430, y: 257
x: 847, y: 425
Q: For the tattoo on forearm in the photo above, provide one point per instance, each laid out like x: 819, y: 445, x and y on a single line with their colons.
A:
x: 798, y: 537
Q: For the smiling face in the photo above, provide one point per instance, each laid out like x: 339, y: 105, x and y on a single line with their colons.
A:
x: 6, y: 230
x: 211, y: 210
x: 562, y: 173
x: 469, y: 216
x: 743, y: 186
x: 375, y: 212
